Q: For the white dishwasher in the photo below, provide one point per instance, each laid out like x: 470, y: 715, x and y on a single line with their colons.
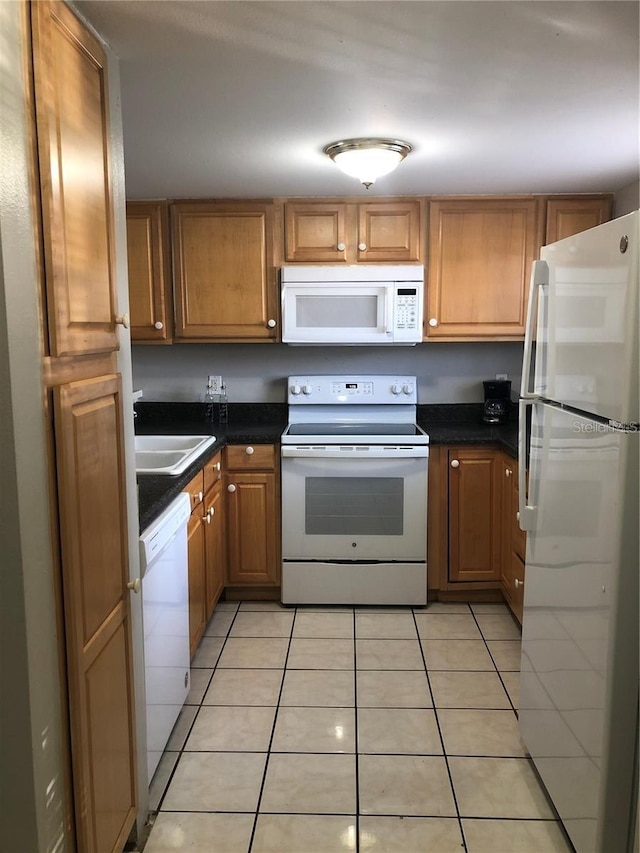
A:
x: 165, y: 613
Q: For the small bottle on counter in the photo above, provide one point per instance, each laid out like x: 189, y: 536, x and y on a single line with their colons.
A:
x: 209, y: 400
x: 223, y: 412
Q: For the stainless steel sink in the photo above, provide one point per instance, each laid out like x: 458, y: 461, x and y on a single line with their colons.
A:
x: 169, y: 454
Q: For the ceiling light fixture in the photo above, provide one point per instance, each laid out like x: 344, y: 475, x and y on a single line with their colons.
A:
x: 367, y: 159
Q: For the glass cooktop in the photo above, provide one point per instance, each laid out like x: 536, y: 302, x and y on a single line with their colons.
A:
x: 354, y: 429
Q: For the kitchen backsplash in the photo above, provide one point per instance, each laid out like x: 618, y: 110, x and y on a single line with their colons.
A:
x: 447, y: 373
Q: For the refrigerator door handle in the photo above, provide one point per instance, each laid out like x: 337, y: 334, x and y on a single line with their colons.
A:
x: 539, y: 277
x: 528, y: 512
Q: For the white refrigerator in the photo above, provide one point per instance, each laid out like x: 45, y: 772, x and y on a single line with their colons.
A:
x: 579, y: 439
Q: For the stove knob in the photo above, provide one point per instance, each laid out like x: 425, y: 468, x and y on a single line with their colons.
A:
x: 396, y: 389
x: 306, y: 390
x: 407, y: 389
x: 295, y: 390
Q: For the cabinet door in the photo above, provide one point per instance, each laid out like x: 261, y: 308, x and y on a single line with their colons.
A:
x: 94, y: 557
x: 569, y: 216
x: 196, y: 546
x: 474, y: 515
x: 214, y: 551
x: 70, y: 83
x: 480, y: 255
x: 389, y: 231
x: 149, y: 298
x: 252, y: 528
x: 224, y: 272
x: 316, y: 233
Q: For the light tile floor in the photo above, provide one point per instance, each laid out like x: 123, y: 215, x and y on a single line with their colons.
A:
x: 318, y: 730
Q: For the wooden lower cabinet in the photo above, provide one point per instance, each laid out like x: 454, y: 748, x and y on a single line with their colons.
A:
x: 97, y: 622
x: 253, y: 516
x: 513, y: 542
x: 205, y: 535
x: 196, y: 547
x: 474, y: 514
x: 214, y: 548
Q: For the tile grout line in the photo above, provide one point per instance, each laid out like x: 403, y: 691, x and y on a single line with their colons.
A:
x: 195, y: 716
x: 444, y: 751
x: 486, y: 643
x: 273, y: 730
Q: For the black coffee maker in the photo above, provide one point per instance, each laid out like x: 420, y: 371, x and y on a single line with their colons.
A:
x: 497, y: 401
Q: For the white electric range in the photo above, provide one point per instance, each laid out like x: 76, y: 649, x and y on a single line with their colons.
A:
x: 354, y: 492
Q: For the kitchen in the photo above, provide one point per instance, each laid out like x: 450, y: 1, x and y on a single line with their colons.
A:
x: 453, y: 376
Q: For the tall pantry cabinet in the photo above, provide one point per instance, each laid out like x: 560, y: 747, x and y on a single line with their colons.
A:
x: 84, y: 399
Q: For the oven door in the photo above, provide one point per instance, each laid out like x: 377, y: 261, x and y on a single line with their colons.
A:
x: 354, y: 503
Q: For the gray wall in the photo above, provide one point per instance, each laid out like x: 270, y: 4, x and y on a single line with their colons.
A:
x: 627, y: 199
x: 447, y: 373
x: 31, y: 796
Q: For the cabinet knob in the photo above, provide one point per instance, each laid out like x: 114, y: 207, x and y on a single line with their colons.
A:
x: 206, y: 517
x: 158, y: 325
x: 455, y: 463
x: 249, y: 451
x: 518, y: 583
x: 231, y: 488
x: 216, y: 467
x: 341, y: 247
x: 433, y: 322
x: 212, y: 511
x: 134, y: 586
x: 271, y: 324
x: 122, y: 320
x: 362, y: 247
x: 200, y: 496
x: 518, y: 516
x: 508, y: 472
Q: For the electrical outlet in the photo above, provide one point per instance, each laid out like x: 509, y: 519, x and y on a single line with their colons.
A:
x: 216, y: 384
x: 504, y: 376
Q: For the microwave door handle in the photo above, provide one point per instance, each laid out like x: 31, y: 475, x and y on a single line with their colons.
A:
x: 389, y: 294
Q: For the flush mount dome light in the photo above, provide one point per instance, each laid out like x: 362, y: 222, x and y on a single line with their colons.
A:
x: 367, y: 159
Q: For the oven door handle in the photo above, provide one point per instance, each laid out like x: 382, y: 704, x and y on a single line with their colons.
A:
x: 355, y: 452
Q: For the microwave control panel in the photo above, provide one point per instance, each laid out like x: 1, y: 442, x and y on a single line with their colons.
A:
x: 407, y: 315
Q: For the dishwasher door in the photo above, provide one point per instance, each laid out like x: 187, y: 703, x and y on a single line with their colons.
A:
x: 165, y: 613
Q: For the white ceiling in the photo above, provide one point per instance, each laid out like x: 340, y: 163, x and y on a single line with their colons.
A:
x: 237, y: 99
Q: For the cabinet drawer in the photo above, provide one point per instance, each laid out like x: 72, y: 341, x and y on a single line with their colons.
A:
x: 212, y: 471
x: 196, y: 489
x: 246, y: 457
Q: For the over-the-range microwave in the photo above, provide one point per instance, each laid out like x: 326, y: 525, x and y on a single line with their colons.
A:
x: 361, y: 305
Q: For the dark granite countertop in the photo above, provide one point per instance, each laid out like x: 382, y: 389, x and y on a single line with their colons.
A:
x: 264, y: 423
x: 259, y: 423
x: 461, y: 423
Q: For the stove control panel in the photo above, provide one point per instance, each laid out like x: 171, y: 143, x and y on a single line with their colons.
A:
x: 351, y: 390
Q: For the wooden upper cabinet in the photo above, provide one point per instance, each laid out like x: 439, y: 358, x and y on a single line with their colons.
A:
x: 315, y: 232
x: 480, y: 255
x: 150, y: 303
x: 390, y: 231
x: 70, y: 85
x: 339, y: 231
x: 224, y: 271
x: 571, y: 215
